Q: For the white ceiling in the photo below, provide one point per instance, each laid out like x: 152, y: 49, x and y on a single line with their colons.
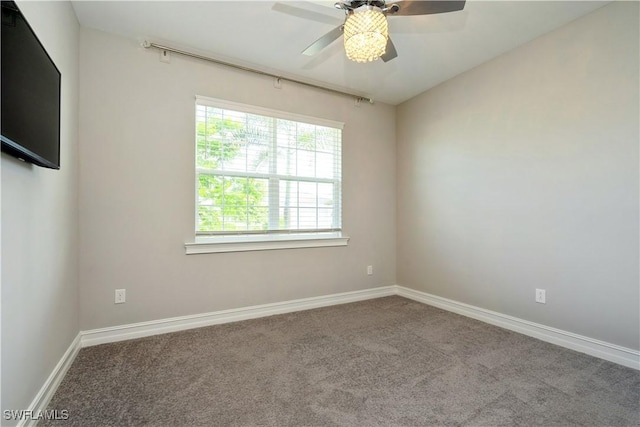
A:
x: 431, y: 48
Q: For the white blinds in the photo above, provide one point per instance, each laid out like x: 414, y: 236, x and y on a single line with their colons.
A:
x: 263, y: 173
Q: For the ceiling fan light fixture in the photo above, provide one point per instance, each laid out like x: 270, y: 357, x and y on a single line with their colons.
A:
x: 365, y: 34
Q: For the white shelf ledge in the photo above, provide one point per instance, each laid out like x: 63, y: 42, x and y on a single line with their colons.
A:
x: 207, y: 245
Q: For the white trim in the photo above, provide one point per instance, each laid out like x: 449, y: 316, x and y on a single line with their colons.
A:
x: 242, y: 243
x: 607, y: 351
x: 162, y: 326
x: 266, y: 175
x: 263, y: 111
x: 50, y: 386
x: 604, y: 350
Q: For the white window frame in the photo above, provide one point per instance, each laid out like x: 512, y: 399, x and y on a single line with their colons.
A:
x: 290, y: 239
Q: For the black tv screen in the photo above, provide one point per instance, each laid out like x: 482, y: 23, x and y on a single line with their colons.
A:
x: 30, y: 93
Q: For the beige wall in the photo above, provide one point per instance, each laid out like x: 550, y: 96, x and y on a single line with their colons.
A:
x: 40, y: 312
x: 137, y: 191
x: 523, y: 173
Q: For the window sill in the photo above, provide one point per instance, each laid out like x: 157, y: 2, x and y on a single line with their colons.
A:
x: 207, y: 245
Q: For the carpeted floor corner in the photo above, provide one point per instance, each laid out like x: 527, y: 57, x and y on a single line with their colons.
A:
x: 383, y: 362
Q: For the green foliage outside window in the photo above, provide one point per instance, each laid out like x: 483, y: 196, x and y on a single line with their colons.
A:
x: 226, y: 199
x: 258, y: 173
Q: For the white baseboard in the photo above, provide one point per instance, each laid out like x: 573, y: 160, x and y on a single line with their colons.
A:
x: 161, y: 326
x: 50, y: 386
x: 604, y: 350
x: 614, y: 353
x: 143, y: 329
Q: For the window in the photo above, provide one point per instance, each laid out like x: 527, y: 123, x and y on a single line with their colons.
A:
x: 264, y: 172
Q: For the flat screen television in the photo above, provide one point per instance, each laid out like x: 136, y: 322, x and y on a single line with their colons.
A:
x: 30, y: 92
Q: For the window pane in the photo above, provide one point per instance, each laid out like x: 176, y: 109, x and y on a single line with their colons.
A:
x: 306, y: 136
x: 287, y: 161
x: 242, y: 157
x: 306, y: 163
x: 233, y: 223
x: 258, y: 158
x: 258, y: 192
x: 259, y: 129
x: 288, y: 193
x: 259, y: 138
x: 234, y: 191
x: 209, y: 201
x: 288, y: 218
x: 307, y: 194
x: 258, y: 218
x: 286, y: 133
x: 326, y: 139
x: 325, y: 195
x: 307, y: 218
x: 240, y: 203
x: 209, y: 218
x: 324, y: 165
x: 325, y: 218
x: 235, y: 157
x: 208, y: 138
x: 235, y: 117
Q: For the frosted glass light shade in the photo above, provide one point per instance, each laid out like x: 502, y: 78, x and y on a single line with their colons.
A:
x: 365, y: 34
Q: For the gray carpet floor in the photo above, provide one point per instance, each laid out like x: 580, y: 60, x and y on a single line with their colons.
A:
x: 383, y: 362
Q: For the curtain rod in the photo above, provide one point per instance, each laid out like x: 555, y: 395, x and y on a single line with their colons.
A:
x: 146, y: 44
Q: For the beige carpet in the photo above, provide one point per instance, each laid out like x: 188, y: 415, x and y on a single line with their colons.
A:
x: 383, y: 362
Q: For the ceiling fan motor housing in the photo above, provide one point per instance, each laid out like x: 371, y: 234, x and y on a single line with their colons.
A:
x: 355, y: 4
x: 365, y: 33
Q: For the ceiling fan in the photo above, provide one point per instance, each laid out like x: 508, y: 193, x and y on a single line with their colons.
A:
x: 365, y: 29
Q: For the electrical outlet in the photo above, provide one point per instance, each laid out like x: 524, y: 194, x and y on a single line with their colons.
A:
x: 370, y: 270
x: 120, y: 296
x: 541, y: 296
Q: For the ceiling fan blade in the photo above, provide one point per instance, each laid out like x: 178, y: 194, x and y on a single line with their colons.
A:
x: 390, y: 51
x: 426, y: 7
x: 306, y: 13
x: 443, y: 23
x: 334, y: 49
x: 324, y: 41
